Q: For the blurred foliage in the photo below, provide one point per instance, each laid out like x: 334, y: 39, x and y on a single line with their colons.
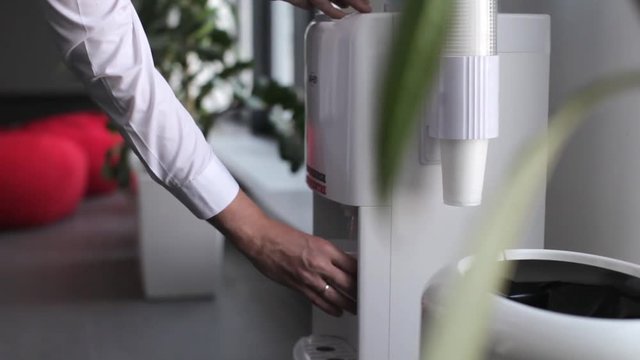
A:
x: 194, y: 47
x: 287, y: 115
x: 414, y: 65
x: 116, y: 165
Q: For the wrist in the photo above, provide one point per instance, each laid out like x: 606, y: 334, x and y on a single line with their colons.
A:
x: 243, y: 223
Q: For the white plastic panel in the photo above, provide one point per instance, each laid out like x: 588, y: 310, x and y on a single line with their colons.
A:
x: 344, y: 62
x: 524, y: 33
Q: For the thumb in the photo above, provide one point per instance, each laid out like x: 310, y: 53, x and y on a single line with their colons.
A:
x: 300, y: 3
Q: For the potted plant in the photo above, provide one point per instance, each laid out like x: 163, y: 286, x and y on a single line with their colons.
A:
x: 194, y: 48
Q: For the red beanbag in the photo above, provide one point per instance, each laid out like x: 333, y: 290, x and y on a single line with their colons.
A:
x: 89, y: 131
x: 42, y: 178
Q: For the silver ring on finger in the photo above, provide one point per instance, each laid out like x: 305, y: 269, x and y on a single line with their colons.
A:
x: 326, y: 288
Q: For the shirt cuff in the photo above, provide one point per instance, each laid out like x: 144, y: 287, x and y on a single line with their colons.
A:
x: 210, y: 192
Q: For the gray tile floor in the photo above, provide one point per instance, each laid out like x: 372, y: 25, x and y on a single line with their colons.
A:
x: 72, y: 291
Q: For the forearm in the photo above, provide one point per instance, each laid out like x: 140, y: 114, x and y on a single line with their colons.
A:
x: 103, y: 42
x: 243, y: 223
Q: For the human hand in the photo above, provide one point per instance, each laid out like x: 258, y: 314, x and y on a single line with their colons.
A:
x: 290, y: 257
x: 326, y: 6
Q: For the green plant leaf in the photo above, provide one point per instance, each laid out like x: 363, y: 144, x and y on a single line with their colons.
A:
x: 205, y: 29
x: 235, y: 69
x: 272, y: 93
x: 291, y: 149
x: 415, y: 60
x: 460, y: 333
x: 210, y: 53
x: 268, y: 94
x: 221, y: 38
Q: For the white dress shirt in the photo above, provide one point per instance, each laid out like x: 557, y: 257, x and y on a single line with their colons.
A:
x: 104, y: 43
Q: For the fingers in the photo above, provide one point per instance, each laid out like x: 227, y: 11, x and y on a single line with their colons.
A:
x: 304, y: 4
x: 341, y: 3
x: 342, y: 272
x: 320, y: 302
x: 339, y: 269
x: 345, y: 262
x: 330, y: 295
x: 337, y: 298
x: 326, y: 7
x: 344, y: 287
x: 360, y: 5
x: 343, y: 282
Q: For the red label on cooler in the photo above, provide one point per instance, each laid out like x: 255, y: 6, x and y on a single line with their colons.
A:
x: 316, y: 186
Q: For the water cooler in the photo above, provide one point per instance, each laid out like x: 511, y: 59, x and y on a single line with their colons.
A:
x: 402, y: 241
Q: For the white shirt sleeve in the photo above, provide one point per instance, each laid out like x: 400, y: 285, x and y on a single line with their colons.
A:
x: 104, y: 43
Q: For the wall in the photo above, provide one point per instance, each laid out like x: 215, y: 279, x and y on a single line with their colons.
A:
x: 593, y: 198
x: 30, y: 63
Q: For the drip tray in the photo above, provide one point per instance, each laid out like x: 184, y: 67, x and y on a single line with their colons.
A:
x: 317, y: 347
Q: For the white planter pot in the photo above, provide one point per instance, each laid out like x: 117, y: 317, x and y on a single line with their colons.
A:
x: 181, y: 255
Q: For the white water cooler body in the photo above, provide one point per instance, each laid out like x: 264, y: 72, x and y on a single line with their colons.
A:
x: 401, y: 242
